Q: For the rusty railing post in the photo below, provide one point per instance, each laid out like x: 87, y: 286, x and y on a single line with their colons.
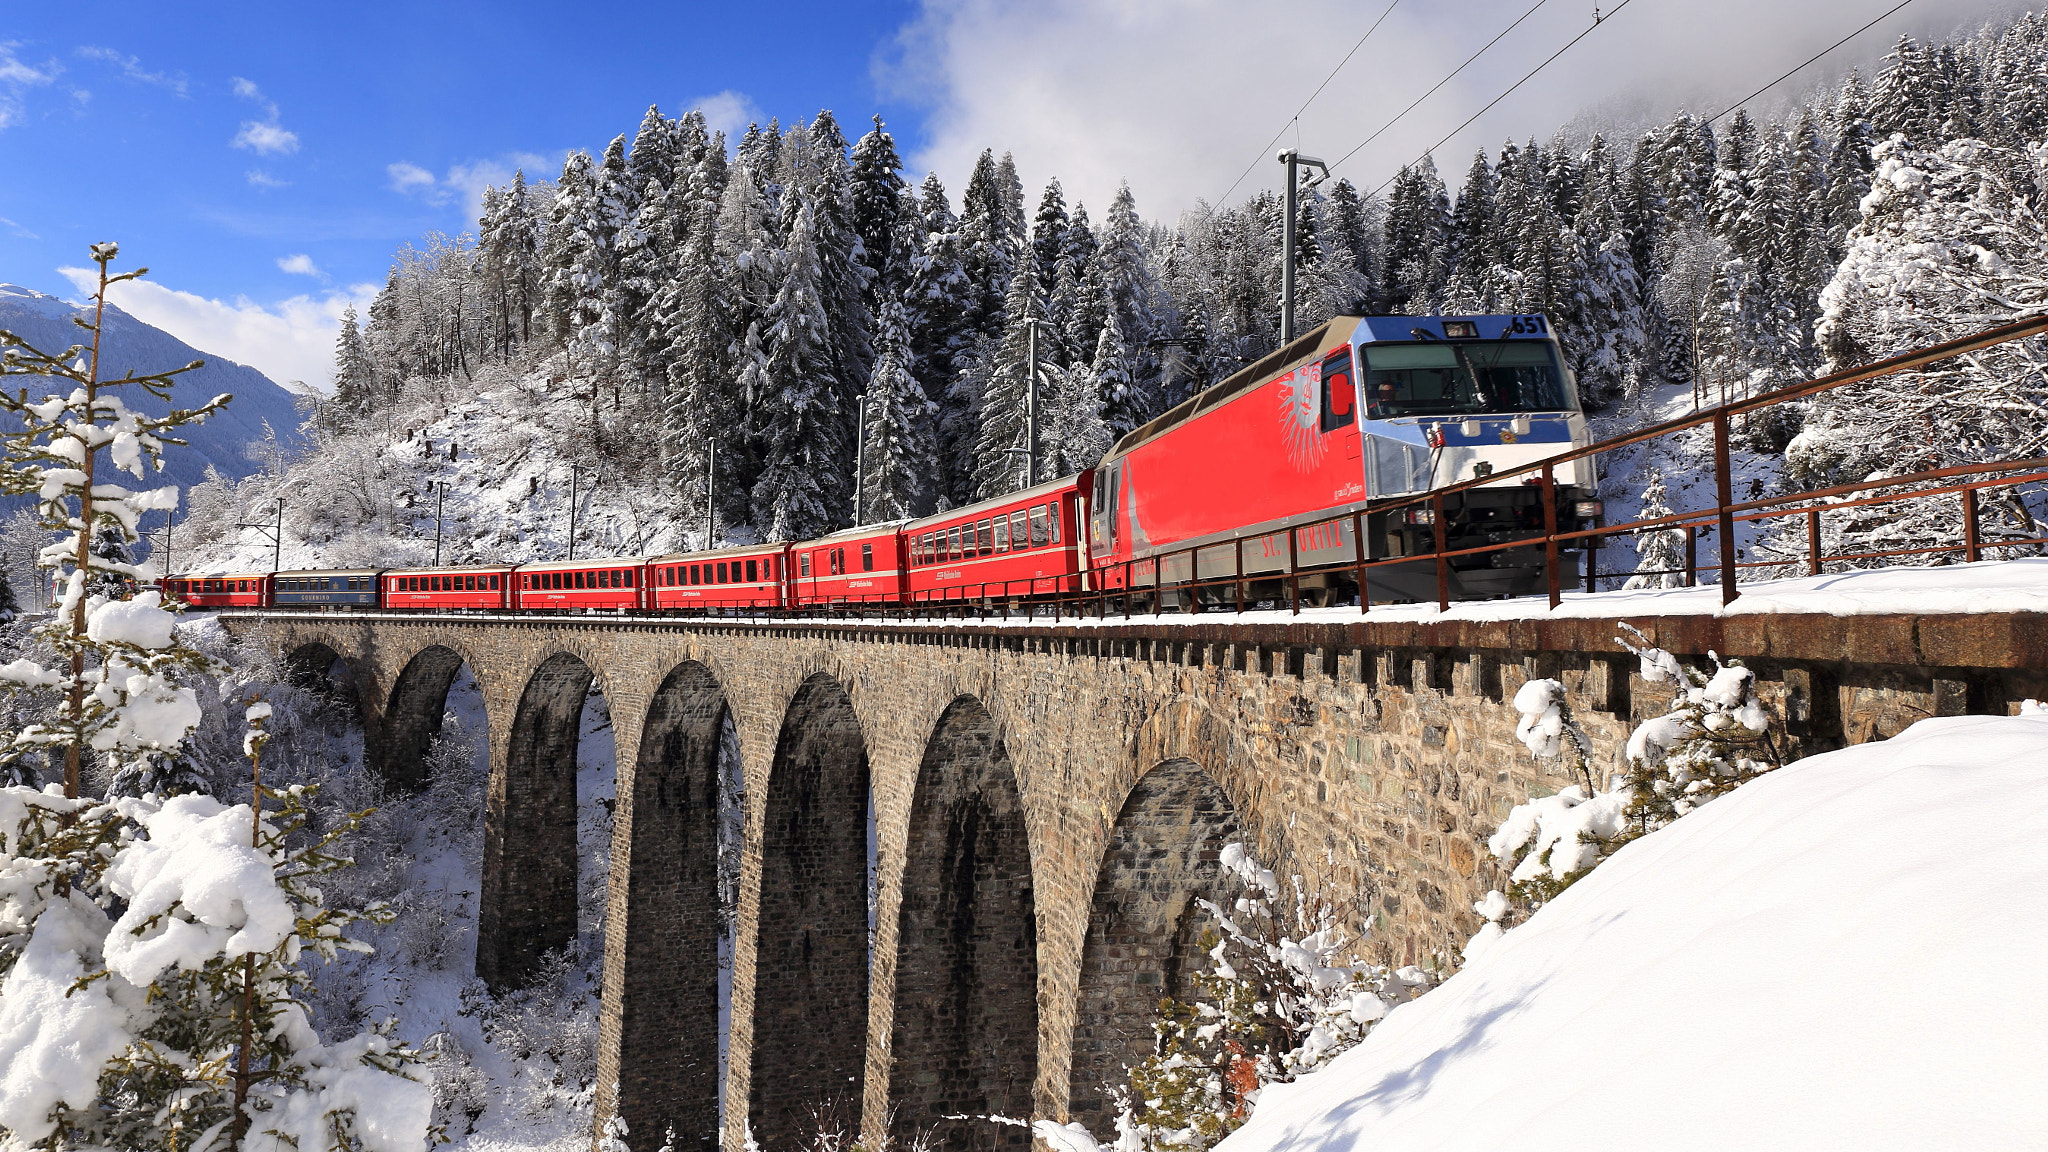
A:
x: 1692, y: 556
x: 1237, y: 556
x: 1550, y: 575
x: 1724, y: 492
x: 1293, y: 578
x: 1813, y: 541
x: 1972, y: 552
x: 1443, y: 563
x: 1358, y: 542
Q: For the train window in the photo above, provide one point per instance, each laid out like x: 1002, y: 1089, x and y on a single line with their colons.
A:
x: 1041, y: 526
x: 1340, y: 398
x: 1052, y: 511
x: 469, y: 583
x: 803, y: 565
x: 1002, y: 534
x: 1020, y: 536
x: 867, y: 557
x: 696, y: 574
x: 628, y: 574
x: 494, y: 581
x: 984, y: 539
x: 721, y: 571
x: 839, y: 561
x: 771, y: 567
x: 753, y: 571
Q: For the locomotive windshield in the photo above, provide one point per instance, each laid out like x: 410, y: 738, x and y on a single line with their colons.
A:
x: 1441, y: 379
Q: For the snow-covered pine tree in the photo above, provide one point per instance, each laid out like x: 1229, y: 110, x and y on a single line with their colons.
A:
x: 1049, y: 233
x: 844, y: 274
x: 703, y: 406
x: 802, y: 491
x: 509, y: 243
x: 875, y: 189
x: 118, y: 660
x: 898, y: 459
x: 574, y: 257
x: 1950, y: 243
x: 1605, y: 315
x: 1133, y: 301
x: 1476, y: 243
x: 1660, y: 552
x: 355, y: 378
x: 1418, y: 221
x: 998, y: 468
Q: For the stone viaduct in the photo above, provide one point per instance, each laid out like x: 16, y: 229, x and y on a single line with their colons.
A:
x: 1047, y: 802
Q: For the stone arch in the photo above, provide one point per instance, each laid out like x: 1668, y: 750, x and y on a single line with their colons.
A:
x: 661, y: 1003
x: 528, y: 903
x: 1144, y: 923
x: 965, y: 1036
x: 311, y: 667
x: 412, y: 718
x: 811, y: 956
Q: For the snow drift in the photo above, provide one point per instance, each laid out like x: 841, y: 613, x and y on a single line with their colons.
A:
x: 1842, y: 954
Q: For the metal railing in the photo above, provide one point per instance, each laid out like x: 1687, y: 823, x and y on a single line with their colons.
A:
x: 1142, y: 585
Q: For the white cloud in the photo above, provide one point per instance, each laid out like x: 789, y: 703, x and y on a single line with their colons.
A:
x: 258, y: 178
x: 247, y: 90
x: 266, y: 139
x: 408, y: 177
x: 300, y: 264
x: 464, y: 184
x: 729, y: 112
x: 1179, y: 96
x: 132, y: 68
x: 290, y: 340
x: 17, y: 230
x: 16, y: 78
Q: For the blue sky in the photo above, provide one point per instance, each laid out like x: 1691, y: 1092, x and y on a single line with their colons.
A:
x: 266, y: 159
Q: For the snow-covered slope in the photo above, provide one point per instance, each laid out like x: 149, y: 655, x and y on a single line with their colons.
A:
x: 224, y: 440
x: 1843, y: 954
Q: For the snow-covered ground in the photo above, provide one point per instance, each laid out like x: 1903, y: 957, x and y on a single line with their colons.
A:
x: 1843, y: 954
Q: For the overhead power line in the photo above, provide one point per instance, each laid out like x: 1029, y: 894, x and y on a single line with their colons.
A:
x: 1598, y: 22
x: 1788, y: 75
x: 1439, y: 84
x: 1305, y: 103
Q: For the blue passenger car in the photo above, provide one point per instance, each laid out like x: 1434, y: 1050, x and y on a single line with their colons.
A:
x: 352, y: 588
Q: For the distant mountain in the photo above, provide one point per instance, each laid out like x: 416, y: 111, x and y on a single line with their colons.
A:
x: 226, y: 438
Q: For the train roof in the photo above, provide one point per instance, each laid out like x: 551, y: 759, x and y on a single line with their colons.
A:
x: 885, y: 528
x: 970, y: 511
x: 428, y: 569
x: 329, y: 572
x: 568, y: 565
x: 218, y: 575
x: 1324, y: 337
x: 719, y: 553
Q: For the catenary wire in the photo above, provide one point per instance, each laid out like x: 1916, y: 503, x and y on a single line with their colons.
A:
x: 1788, y: 75
x: 1439, y: 84
x: 1296, y: 118
x: 1511, y: 91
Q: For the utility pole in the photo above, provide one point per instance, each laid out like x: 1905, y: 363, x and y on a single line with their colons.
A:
x: 1031, y: 403
x: 276, y: 535
x: 164, y: 569
x: 860, y: 458
x: 440, y: 490
x: 573, y: 470
x: 1293, y: 160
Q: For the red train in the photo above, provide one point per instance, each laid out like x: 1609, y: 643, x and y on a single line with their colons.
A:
x: 1274, y: 471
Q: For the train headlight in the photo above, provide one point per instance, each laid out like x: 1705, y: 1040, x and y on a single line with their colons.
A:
x: 1587, y: 509
x: 1422, y: 515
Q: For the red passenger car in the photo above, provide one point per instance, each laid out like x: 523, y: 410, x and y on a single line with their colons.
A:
x: 233, y: 590
x: 603, y: 585
x: 727, y: 578
x: 1022, y: 544
x: 439, y: 589
x: 857, y: 566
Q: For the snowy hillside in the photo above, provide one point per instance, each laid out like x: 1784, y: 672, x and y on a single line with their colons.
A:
x: 1813, y: 961
x: 225, y: 441
x: 500, y: 453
